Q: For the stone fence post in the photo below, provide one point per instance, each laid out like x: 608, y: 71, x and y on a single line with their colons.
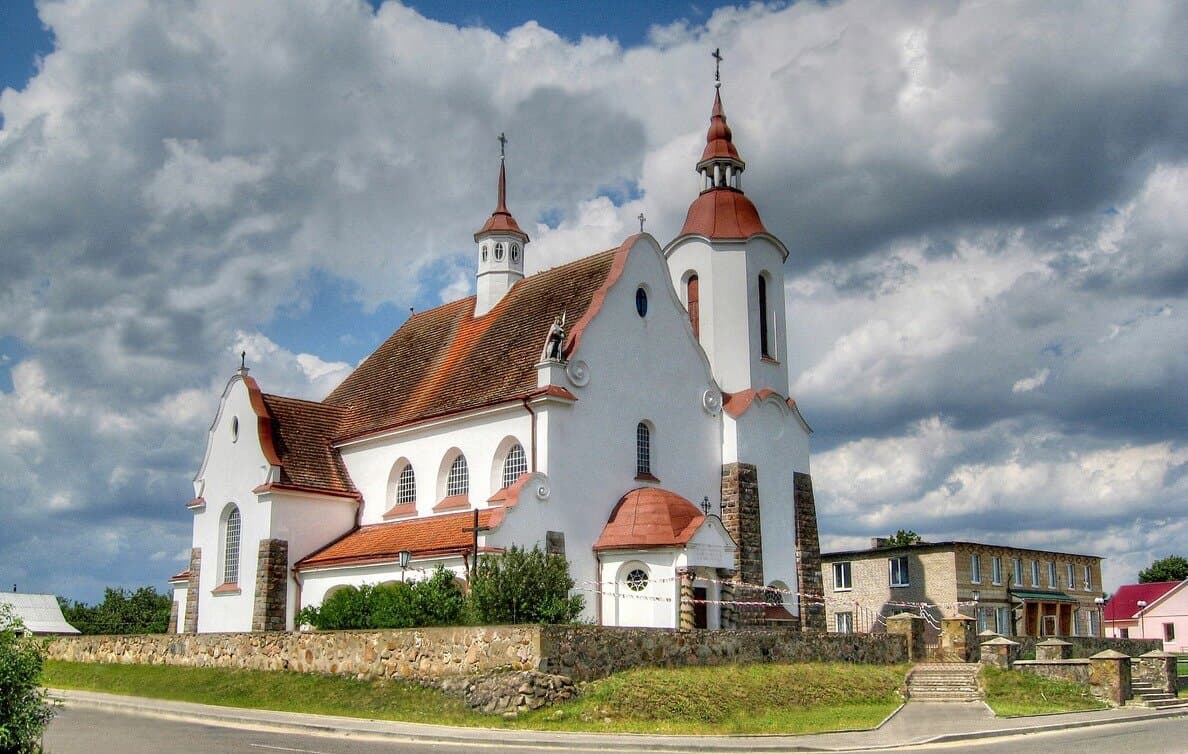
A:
x: 911, y: 627
x: 1157, y: 668
x: 999, y: 652
x: 1053, y: 649
x: 1109, y: 677
x: 957, y: 637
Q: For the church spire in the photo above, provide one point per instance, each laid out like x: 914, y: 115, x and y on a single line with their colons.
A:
x: 720, y: 165
x: 500, y: 247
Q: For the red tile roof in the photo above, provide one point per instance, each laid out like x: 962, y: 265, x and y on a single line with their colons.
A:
x: 1124, y: 604
x: 301, y: 433
x: 723, y: 213
x: 379, y: 543
x: 650, y: 517
x: 736, y: 404
x: 445, y: 360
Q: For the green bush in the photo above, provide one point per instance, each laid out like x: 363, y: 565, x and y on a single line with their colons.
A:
x: 436, y: 601
x: 24, y: 709
x: 521, y: 586
x: 144, y: 611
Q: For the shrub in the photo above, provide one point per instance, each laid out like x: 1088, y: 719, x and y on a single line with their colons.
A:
x: 347, y: 608
x: 24, y: 710
x: 436, y: 601
x: 144, y: 611
x: 524, y: 587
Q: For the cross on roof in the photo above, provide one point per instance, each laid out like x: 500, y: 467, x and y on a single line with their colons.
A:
x: 717, y: 56
x: 641, y: 219
x: 502, y: 144
x: 475, y: 529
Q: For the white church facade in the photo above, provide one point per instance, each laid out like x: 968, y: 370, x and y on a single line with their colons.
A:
x: 628, y: 410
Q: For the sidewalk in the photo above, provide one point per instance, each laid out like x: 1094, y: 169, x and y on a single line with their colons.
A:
x: 914, y: 723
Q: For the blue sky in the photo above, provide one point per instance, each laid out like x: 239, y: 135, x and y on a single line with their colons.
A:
x: 984, y: 205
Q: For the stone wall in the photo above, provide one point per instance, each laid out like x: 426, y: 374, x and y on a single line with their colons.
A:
x: 740, y: 517
x: 1073, y: 671
x: 586, y: 653
x: 1087, y: 646
x: 582, y: 653
x: 190, y: 620
x: 272, y: 571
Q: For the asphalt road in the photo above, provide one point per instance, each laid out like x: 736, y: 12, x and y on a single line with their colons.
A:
x: 87, y: 731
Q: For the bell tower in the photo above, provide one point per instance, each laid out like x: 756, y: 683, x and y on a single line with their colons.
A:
x: 500, y: 248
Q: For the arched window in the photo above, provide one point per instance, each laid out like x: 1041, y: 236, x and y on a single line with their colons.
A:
x: 406, y: 486
x: 499, y: 252
x: 484, y: 252
x: 643, y: 450
x: 515, y: 465
x: 231, y: 548
x: 458, y: 481
x: 693, y: 299
x: 764, y: 340
x: 515, y: 252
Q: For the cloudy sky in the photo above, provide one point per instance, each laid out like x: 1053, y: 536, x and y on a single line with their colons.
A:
x: 985, y: 204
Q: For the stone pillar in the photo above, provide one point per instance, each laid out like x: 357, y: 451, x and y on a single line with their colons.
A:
x: 808, y: 555
x: 957, y: 637
x: 999, y: 652
x: 1109, y: 677
x: 172, y: 629
x: 911, y: 627
x: 272, y: 587
x: 1157, y: 668
x: 191, y: 621
x: 688, y: 619
x: 728, y: 614
x: 740, y: 516
x: 1053, y: 649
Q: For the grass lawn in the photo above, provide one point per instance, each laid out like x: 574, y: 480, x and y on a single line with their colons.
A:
x: 1013, y: 693
x: 798, y: 698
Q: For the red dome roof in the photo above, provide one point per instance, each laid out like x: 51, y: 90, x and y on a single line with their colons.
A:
x: 650, y: 517
x: 723, y: 213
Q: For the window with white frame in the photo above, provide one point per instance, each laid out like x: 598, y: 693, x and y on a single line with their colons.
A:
x: 231, y: 548
x: 1035, y: 573
x: 985, y: 617
x: 1169, y: 631
x: 1071, y: 573
x: 975, y: 568
x: 406, y: 486
x: 458, y: 481
x: 996, y: 570
x: 898, y: 568
x: 1088, y: 578
x: 841, y: 577
x: 1095, y: 623
x: 1017, y: 563
x: 844, y: 623
x: 515, y: 465
x: 1002, y: 621
x: 1053, y: 581
x: 643, y: 449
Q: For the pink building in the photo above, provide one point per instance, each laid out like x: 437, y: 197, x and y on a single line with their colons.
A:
x: 1150, y: 611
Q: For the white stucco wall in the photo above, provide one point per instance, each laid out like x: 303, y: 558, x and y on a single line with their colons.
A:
x: 316, y: 583
x: 656, y: 606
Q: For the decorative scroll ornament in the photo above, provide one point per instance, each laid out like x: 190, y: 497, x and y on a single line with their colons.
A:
x: 711, y: 401
x: 543, y: 490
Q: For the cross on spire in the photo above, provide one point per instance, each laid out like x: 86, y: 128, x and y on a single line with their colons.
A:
x: 717, y: 56
x: 641, y: 219
x: 502, y: 145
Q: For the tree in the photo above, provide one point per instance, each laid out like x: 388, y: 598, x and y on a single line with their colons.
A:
x: 903, y: 538
x: 1171, y: 568
x: 144, y: 611
x: 24, y: 707
x: 523, y: 587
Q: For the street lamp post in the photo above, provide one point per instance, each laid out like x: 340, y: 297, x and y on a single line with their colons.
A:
x: 1099, y: 601
x: 1142, y: 605
x: 405, y: 556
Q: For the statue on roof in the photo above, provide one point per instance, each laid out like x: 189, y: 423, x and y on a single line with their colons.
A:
x: 555, y: 340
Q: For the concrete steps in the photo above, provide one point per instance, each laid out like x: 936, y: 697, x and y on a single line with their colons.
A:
x: 944, y: 682
x: 1145, y: 695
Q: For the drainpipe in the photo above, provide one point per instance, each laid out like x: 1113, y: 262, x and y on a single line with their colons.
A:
x: 532, y: 413
x: 296, y: 598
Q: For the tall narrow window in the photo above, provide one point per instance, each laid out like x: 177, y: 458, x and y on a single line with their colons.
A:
x: 406, y: 486
x: 643, y: 450
x: 458, y: 482
x: 515, y: 465
x: 1018, y: 572
x: 693, y: 298
x: 231, y: 549
x: 1088, y: 579
x: 996, y: 570
x: 764, y: 345
x: 1070, y: 572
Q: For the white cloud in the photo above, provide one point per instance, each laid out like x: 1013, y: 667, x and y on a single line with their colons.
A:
x: 1027, y: 384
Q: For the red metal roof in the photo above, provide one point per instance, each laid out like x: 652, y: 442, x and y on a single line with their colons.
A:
x: 501, y: 220
x: 378, y: 543
x: 723, y: 213
x: 719, y: 140
x: 1124, y: 604
x: 649, y: 517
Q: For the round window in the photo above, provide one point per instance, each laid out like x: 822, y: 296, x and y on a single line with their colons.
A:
x: 637, y: 580
x: 641, y: 301
x: 498, y: 252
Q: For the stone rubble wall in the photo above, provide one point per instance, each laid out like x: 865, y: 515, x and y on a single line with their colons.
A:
x: 1073, y: 671
x: 509, y: 694
x: 1087, y: 646
x: 587, y: 653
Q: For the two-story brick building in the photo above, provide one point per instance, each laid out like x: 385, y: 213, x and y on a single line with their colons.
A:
x: 1008, y: 590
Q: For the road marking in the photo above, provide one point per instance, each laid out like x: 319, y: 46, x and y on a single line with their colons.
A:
x: 288, y: 748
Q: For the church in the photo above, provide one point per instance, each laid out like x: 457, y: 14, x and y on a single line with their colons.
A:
x: 628, y: 410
